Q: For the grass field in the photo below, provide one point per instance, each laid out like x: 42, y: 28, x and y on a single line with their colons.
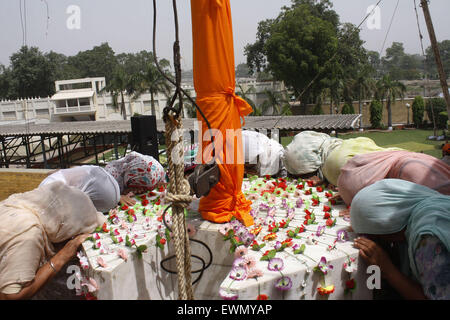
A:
x: 412, y: 140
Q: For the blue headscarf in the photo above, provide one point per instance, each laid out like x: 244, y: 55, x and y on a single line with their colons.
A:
x: 390, y: 205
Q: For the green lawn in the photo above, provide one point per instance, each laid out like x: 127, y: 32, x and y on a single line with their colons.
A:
x: 412, y: 140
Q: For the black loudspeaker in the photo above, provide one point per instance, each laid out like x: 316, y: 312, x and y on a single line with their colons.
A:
x: 145, y: 135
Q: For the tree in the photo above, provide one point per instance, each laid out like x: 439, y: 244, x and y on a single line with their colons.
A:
x: 363, y: 85
x: 348, y: 109
x: 444, y: 49
x: 154, y: 82
x: 400, y: 65
x: 296, y: 46
x: 5, y: 80
x: 376, y: 113
x: 277, y: 102
x: 390, y: 90
x: 434, y: 108
x: 100, y: 61
x: 30, y: 74
x: 117, y: 86
x: 418, y: 109
x: 245, y: 94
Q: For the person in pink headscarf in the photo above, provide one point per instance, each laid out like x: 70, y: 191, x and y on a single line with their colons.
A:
x: 365, y: 169
x: 136, y: 173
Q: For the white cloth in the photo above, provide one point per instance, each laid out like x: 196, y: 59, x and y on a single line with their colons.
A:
x: 96, y: 182
x: 270, y: 152
x: 308, y: 151
x: 32, y: 221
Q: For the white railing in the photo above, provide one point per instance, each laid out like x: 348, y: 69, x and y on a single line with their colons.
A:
x: 62, y: 110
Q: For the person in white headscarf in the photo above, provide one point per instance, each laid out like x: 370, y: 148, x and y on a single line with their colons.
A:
x: 263, y: 153
x: 32, y: 224
x: 117, y: 182
x: 94, y: 181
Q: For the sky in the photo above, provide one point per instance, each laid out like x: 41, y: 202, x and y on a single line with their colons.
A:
x: 127, y: 25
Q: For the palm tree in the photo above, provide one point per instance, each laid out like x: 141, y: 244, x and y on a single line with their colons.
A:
x: 278, y: 102
x: 390, y: 90
x: 363, y: 85
x: 153, y: 81
x: 244, y: 94
x: 120, y: 82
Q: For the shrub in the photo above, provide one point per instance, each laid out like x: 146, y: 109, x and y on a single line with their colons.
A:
x: 376, y: 114
x: 317, y: 109
x: 439, y: 106
x: 348, y: 109
x: 418, y: 110
x: 442, y: 120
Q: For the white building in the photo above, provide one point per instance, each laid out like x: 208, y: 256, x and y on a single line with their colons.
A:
x: 85, y: 99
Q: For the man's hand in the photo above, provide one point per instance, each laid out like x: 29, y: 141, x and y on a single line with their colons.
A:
x: 126, y: 199
x: 373, y: 254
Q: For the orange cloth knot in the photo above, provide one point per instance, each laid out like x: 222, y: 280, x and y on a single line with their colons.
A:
x: 243, y: 107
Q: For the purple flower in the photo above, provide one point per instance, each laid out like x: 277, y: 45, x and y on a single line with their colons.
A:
x: 284, y: 204
x: 324, y: 266
x: 238, y: 273
x: 284, y: 283
x: 320, y: 230
x: 276, y: 264
x: 342, y: 235
x: 253, y: 213
x: 227, y: 295
x: 277, y: 245
x: 263, y: 206
x: 295, y: 246
x: 271, y: 211
x: 299, y: 203
x: 269, y: 220
x: 248, y: 238
x: 290, y: 213
x: 239, y: 263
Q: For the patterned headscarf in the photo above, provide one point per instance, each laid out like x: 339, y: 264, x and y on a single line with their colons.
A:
x: 136, y: 170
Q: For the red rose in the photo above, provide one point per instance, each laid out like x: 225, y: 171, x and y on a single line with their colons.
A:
x: 124, y: 207
x: 327, y: 215
x: 326, y: 208
x: 162, y: 241
x: 262, y: 297
x: 319, y: 189
x: 330, y: 222
x: 328, y: 195
x: 131, y: 211
x: 300, y: 186
x: 310, y: 183
x: 350, y: 284
x: 145, y: 202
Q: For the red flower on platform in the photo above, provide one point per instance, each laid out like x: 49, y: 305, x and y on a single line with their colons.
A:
x: 326, y: 208
x: 319, y: 189
x: 262, y: 297
x: 327, y: 215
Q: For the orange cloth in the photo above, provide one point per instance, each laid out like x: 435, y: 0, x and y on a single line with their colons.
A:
x: 214, y: 82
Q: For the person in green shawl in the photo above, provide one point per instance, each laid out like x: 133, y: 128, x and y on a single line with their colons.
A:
x: 400, y: 211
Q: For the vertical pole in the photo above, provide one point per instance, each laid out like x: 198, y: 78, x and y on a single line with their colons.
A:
x: 5, y: 155
x: 437, y: 55
x: 25, y: 141
x: 116, y: 150
x: 43, y: 152
x: 95, y: 150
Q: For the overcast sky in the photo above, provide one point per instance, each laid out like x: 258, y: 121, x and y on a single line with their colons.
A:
x: 127, y: 25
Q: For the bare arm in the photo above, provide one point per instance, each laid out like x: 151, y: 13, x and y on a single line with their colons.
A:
x: 46, y: 272
x: 375, y: 255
